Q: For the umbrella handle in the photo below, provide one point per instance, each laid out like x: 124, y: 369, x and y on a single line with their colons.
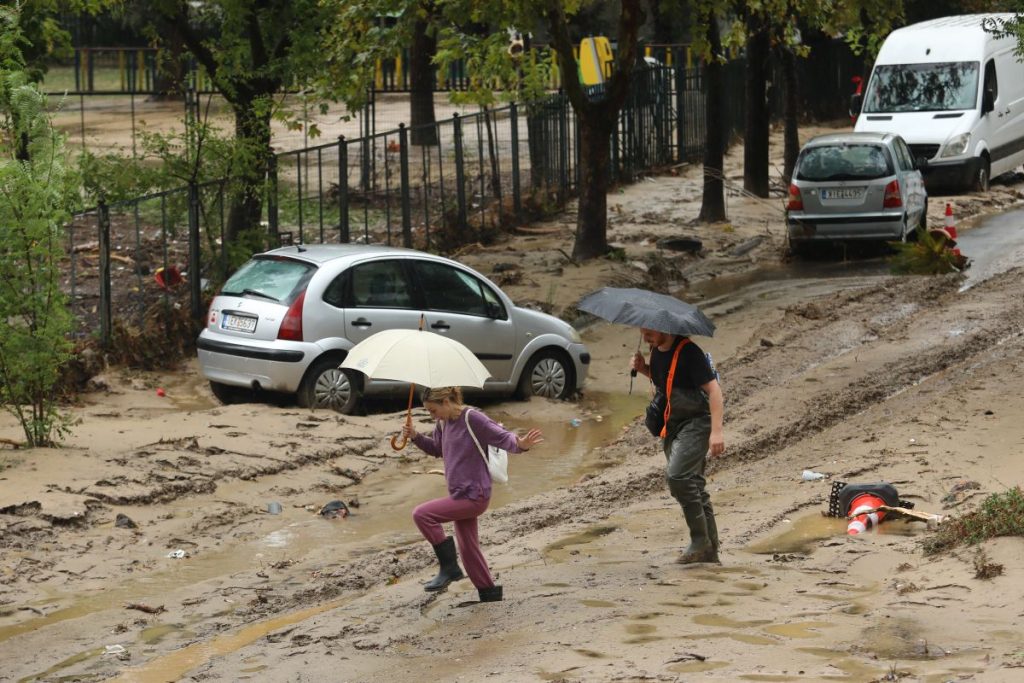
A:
x: 408, y: 420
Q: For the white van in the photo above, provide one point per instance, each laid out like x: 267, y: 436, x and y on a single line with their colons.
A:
x: 955, y: 93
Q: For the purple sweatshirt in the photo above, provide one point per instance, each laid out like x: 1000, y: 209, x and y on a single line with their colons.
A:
x: 464, y: 467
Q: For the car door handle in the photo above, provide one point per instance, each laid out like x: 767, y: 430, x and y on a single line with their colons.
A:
x: 361, y: 322
x: 440, y: 325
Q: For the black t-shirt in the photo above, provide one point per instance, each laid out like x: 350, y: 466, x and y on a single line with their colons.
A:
x: 692, y: 370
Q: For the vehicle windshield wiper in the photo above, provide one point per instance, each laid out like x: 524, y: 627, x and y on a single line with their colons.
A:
x: 256, y: 292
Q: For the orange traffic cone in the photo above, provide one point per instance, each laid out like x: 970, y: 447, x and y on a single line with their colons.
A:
x: 860, y: 520
x: 950, y: 223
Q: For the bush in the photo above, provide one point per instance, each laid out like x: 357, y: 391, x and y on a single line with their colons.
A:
x: 1001, y: 514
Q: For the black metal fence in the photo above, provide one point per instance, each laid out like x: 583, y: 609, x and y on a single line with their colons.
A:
x: 467, y: 177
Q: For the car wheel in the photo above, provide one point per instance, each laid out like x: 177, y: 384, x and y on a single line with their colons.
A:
x: 328, y: 386
x: 548, y: 374
x: 228, y: 394
x: 981, y: 180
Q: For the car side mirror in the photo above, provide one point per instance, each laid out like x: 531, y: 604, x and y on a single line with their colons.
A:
x: 856, y: 102
x: 921, y: 163
x: 988, y: 101
x: 493, y: 310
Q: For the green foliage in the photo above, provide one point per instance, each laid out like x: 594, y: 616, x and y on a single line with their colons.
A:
x: 1001, y: 514
x: 927, y: 255
x: 37, y: 191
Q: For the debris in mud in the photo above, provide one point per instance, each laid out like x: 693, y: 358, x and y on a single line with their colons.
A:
x: 984, y: 568
x: 145, y: 608
x: 123, y: 521
x: 334, y: 509
x: 960, y: 492
x: 687, y: 657
x: 117, y: 651
x: 178, y: 554
x: 274, y: 508
x: 691, y: 245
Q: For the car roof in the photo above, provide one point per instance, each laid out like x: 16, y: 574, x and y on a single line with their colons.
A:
x: 850, y: 138
x: 322, y: 253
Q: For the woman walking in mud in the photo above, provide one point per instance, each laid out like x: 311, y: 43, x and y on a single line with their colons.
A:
x: 469, y: 485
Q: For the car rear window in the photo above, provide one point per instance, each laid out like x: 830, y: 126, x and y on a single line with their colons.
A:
x: 844, y: 162
x: 270, y: 278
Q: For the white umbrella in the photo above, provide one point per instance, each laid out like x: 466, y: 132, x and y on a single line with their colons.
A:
x: 417, y: 357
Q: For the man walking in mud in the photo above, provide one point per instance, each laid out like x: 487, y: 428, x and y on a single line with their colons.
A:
x: 687, y: 387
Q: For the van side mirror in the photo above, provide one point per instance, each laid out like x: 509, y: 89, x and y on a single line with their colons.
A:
x: 988, y: 102
x: 856, y: 102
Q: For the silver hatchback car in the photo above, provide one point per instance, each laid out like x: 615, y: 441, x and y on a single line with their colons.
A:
x: 855, y: 186
x: 285, y: 320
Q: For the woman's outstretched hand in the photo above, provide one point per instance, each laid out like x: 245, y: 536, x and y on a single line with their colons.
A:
x: 532, y: 438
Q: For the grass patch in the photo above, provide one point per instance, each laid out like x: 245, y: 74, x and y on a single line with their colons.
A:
x: 1001, y: 514
x: 926, y: 255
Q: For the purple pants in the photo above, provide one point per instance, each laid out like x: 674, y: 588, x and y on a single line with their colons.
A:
x: 431, y: 515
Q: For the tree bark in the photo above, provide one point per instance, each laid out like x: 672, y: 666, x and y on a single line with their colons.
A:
x: 791, y: 145
x: 712, y: 203
x: 422, y: 130
x: 246, y: 209
x: 595, y: 172
x: 755, y: 135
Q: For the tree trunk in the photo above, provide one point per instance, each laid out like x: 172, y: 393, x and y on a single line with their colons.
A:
x: 169, y: 76
x: 712, y: 203
x: 422, y: 130
x: 791, y: 146
x: 594, y: 169
x: 755, y: 135
x: 246, y: 210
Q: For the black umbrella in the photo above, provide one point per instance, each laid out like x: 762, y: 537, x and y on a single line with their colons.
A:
x: 643, y: 308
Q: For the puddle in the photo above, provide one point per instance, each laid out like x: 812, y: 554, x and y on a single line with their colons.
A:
x: 768, y: 677
x: 59, y: 666
x: 696, y: 667
x: 801, y: 535
x: 597, y: 603
x: 719, y: 621
x: 640, y: 629
x: 800, y: 629
x: 154, y: 634
x: 174, y: 665
x: 558, y: 552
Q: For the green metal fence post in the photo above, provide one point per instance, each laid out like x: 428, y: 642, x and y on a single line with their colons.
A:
x: 403, y: 179
x: 272, y: 203
x: 105, y: 304
x: 517, y: 205
x: 343, y: 225
x: 460, y: 171
x: 194, y: 265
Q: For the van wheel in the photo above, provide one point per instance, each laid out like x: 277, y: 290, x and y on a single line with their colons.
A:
x: 549, y: 374
x: 982, y: 179
x: 327, y: 386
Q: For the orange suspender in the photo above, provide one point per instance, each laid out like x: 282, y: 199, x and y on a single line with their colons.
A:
x: 668, y: 386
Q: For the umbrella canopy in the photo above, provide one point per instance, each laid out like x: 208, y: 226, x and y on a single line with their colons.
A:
x: 417, y: 357
x: 643, y: 308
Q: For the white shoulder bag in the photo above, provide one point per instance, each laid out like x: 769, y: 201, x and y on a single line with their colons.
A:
x: 496, y: 458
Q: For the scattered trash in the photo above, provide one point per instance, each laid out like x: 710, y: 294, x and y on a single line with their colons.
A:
x: 160, y: 392
x: 866, y: 505
x: 334, y: 509
x: 116, y: 651
x: 808, y: 475
x: 178, y: 554
x: 123, y: 521
x: 575, y: 422
x: 960, y: 492
x: 274, y: 508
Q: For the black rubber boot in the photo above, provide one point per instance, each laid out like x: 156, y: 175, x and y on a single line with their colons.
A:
x: 491, y: 594
x: 709, y: 517
x: 700, y: 548
x: 448, y: 558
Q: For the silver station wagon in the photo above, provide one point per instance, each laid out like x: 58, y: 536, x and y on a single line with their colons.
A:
x: 855, y: 186
x: 285, y: 320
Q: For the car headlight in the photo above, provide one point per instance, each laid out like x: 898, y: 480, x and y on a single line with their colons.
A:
x: 956, y: 146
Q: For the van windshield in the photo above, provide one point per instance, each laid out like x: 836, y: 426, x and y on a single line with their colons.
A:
x: 943, y: 86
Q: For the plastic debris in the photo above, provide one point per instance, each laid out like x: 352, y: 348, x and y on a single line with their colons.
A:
x: 274, y: 508
x: 808, y: 475
x: 334, y: 509
x: 178, y: 554
x: 123, y: 521
x: 160, y: 392
x: 575, y: 422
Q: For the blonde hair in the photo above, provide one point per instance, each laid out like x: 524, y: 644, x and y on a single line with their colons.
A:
x: 439, y: 394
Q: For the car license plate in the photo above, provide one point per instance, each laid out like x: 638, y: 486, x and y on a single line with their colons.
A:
x: 238, y: 323
x: 843, y: 193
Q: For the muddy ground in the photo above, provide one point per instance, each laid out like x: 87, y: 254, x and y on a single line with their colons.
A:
x: 850, y: 373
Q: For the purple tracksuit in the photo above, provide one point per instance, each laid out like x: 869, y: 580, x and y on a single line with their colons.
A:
x: 469, y: 485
